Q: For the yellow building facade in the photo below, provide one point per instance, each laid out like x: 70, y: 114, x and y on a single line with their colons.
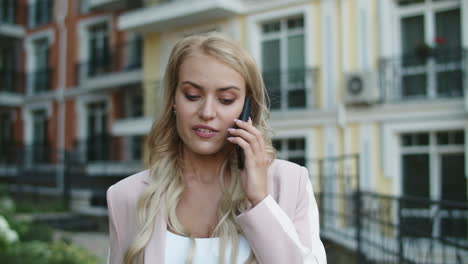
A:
x: 377, y: 86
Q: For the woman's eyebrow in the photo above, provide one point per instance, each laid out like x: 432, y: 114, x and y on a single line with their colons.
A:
x: 222, y: 89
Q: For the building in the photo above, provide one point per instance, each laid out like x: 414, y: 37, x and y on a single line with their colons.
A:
x: 370, y: 95
x: 69, y: 77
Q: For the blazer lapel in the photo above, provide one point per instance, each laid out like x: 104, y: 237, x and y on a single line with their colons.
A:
x: 156, y: 247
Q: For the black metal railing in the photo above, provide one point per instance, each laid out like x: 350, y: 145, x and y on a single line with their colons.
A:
x: 10, y: 153
x: 11, y: 81
x: 125, y: 57
x: 39, y: 153
x: 434, y: 75
x: 40, y: 13
x: 98, y: 148
x: 40, y: 81
x: 384, y: 229
x: 291, y: 89
x: 25, y: 155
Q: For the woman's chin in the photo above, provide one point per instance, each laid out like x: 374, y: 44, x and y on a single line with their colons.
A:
x: 210, y: 150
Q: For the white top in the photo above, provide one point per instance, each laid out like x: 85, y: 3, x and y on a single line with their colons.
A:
x: 206, y: 250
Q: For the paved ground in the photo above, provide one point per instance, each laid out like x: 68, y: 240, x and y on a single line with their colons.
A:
x: 96, y: 243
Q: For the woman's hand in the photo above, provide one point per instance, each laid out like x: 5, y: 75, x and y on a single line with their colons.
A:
x: 256, y: 161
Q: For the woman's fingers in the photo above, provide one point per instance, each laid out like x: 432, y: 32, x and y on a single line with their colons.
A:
x: 251, y: 139
x: 250, y: 128
x: 243, y: 144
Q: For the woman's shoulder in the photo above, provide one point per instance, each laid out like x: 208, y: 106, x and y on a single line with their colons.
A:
x: 130, y: 187
x: 286, y: 172
x: 279, y: 166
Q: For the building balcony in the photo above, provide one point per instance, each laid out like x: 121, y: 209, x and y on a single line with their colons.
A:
x: 110, y: 69
x: 166, y: 15
x: 11, y: 88
x: 114, y: 5
x: 10, y: 158
x: 422, y: 77
x: 106, y: 155
x: 11, y: 15
x: 292, y: 89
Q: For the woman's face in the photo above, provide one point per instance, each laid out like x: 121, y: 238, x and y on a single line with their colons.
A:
x: 209, y: 96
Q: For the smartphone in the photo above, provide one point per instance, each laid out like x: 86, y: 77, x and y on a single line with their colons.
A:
x: 244, y: 116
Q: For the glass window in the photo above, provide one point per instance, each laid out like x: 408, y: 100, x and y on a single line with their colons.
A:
x: 409, y: 2
x: 415, y: 139
x: 283, y: 62
x: 99, y: 52
x: 454, y: 188
x: 423, y: 181
x: 136, y: 147
x: 271, y: 27
x: 292, y: 149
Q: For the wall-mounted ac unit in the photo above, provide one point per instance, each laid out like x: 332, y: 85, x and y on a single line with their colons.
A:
x: 361, y: 88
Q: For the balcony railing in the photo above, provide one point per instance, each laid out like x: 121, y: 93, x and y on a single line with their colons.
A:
x: 40, y: 13
x: 381, y: 228
x: 40, y: 81
x: 291, y: 89
x: 100, y: 148
x: 10, y: 153
x: 124, y: 58
x: 11, y: 81
x: 424, y: 76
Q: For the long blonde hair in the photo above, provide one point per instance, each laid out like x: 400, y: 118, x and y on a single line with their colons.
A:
x: 165, y: 150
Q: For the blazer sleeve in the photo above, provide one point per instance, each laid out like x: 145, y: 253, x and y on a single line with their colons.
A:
x: 115, y: 251
x: 276, y: 238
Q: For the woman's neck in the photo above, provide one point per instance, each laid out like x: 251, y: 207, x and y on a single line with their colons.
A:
x: 203, y: 169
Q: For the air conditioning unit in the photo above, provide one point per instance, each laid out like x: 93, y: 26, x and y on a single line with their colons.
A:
x: 361, y: 88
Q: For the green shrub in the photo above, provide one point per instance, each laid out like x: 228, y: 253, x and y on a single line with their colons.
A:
x: 63, y: 253
x: 36, y: 231
x: 38, y: 252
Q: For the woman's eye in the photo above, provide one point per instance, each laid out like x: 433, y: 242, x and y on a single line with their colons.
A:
x: 191, y: 97
x: 226, y: 101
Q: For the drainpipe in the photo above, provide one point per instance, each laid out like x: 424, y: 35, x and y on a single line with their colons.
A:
x: 62, y: 9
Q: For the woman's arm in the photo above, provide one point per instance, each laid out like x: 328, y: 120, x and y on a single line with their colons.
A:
x: 276, y: 238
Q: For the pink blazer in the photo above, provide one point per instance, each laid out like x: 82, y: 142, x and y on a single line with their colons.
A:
x: 283, y: 228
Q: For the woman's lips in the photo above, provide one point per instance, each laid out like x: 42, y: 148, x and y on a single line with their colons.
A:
x: 205, y: 131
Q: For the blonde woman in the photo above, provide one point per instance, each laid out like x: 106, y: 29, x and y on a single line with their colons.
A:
x: 194, y: 205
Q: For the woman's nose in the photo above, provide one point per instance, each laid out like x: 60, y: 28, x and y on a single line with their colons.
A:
x: 207, y: 109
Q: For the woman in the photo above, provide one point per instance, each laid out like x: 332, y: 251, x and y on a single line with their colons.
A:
x: 194, y: 205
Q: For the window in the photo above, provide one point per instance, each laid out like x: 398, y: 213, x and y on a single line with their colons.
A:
x: 83, y: 6
x: 433, y: 166
x: 40, y: 77
x: 283, y: 62
x: 40, y: 146
x: 98, y: 141
x: 134, y: 50
x: 292, y: 149
x: 99, y: 52
x: 7, y: 11
x: 8, y: 77
x: 131, y: 103
x: 431, y: 49
x: 6, y: 128
x: 40, y: 12
x: 6, y: 138
x: 136, y: 104
x: 136, y: 143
